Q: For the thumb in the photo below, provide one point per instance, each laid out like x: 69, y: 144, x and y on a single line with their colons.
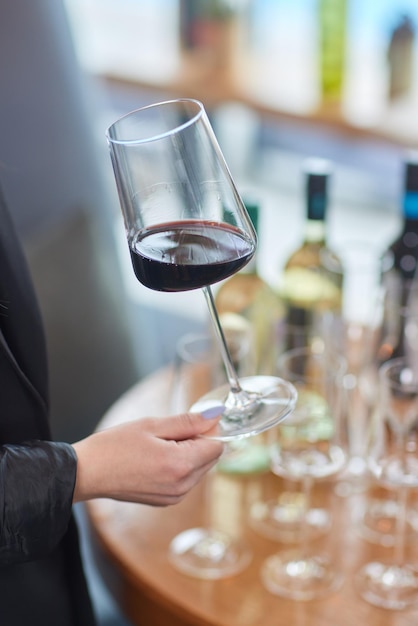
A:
x: 190, y: 425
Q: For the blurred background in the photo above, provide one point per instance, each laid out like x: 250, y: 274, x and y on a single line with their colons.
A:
x: 282, y: 80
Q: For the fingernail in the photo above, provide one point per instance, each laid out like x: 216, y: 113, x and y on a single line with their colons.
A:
x: 213, y: 411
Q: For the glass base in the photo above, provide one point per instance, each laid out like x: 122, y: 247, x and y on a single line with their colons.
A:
x: 379, y: 520
x: 209, y: 554
x: 264, y: 402
x: 291, y: 576
x: 388, y: 586
x: 285, y: 520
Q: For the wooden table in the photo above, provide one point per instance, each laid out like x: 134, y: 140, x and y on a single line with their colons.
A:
x: 131, y: 543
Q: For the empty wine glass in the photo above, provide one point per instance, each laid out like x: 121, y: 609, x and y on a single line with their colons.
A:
x: 187, y: 228
x: 308, y: 446
x: 393, y: 460
x: 398, y: 337
x: 281, y: 516
x: 209, y: 551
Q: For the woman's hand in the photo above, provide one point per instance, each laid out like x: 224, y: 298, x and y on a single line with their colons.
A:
x: 152, y: 460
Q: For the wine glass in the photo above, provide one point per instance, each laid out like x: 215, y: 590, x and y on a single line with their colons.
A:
x: 308, y: 446
x: 212, y: 550
x: 393, y: 460
x: 282, y: 516
x: 187, y: 228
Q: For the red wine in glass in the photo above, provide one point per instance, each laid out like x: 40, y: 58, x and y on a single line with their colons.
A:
x: 185, y: 255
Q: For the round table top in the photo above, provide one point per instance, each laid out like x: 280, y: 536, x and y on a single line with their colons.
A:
x: 131, y: 545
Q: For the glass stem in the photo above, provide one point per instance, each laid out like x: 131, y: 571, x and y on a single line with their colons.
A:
x: 307, y: 484
x: 400, y: 528
x: 226, y: 356
x: 401, y: 517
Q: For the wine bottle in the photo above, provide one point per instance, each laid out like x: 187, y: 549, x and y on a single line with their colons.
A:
x: 311, y: 280
x: 247, y: 294
x: 405, y: 247
x: 402, y: 282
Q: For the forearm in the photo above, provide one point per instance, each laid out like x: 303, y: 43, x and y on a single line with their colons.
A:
x: 36, y: 490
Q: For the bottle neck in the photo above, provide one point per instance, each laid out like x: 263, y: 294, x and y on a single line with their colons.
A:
x: 316, y: 205
x: 410, y: 209
x: 315, y: 231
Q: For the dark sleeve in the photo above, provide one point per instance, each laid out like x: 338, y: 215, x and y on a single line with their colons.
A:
x: 36, y: 489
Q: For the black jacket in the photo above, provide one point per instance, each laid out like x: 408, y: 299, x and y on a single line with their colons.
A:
x: 41, y: 577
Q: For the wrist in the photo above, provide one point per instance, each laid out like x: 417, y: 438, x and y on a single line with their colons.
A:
x: 88, y: 474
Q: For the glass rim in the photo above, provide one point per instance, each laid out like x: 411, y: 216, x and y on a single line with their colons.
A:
x: 155, y: 137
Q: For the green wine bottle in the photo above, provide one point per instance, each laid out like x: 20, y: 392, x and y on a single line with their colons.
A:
x: 311, y: 281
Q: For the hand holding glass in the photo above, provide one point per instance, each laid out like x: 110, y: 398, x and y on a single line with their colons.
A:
x: 187, y: 228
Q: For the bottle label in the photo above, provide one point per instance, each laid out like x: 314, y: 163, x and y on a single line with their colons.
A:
x: 410, y: 205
